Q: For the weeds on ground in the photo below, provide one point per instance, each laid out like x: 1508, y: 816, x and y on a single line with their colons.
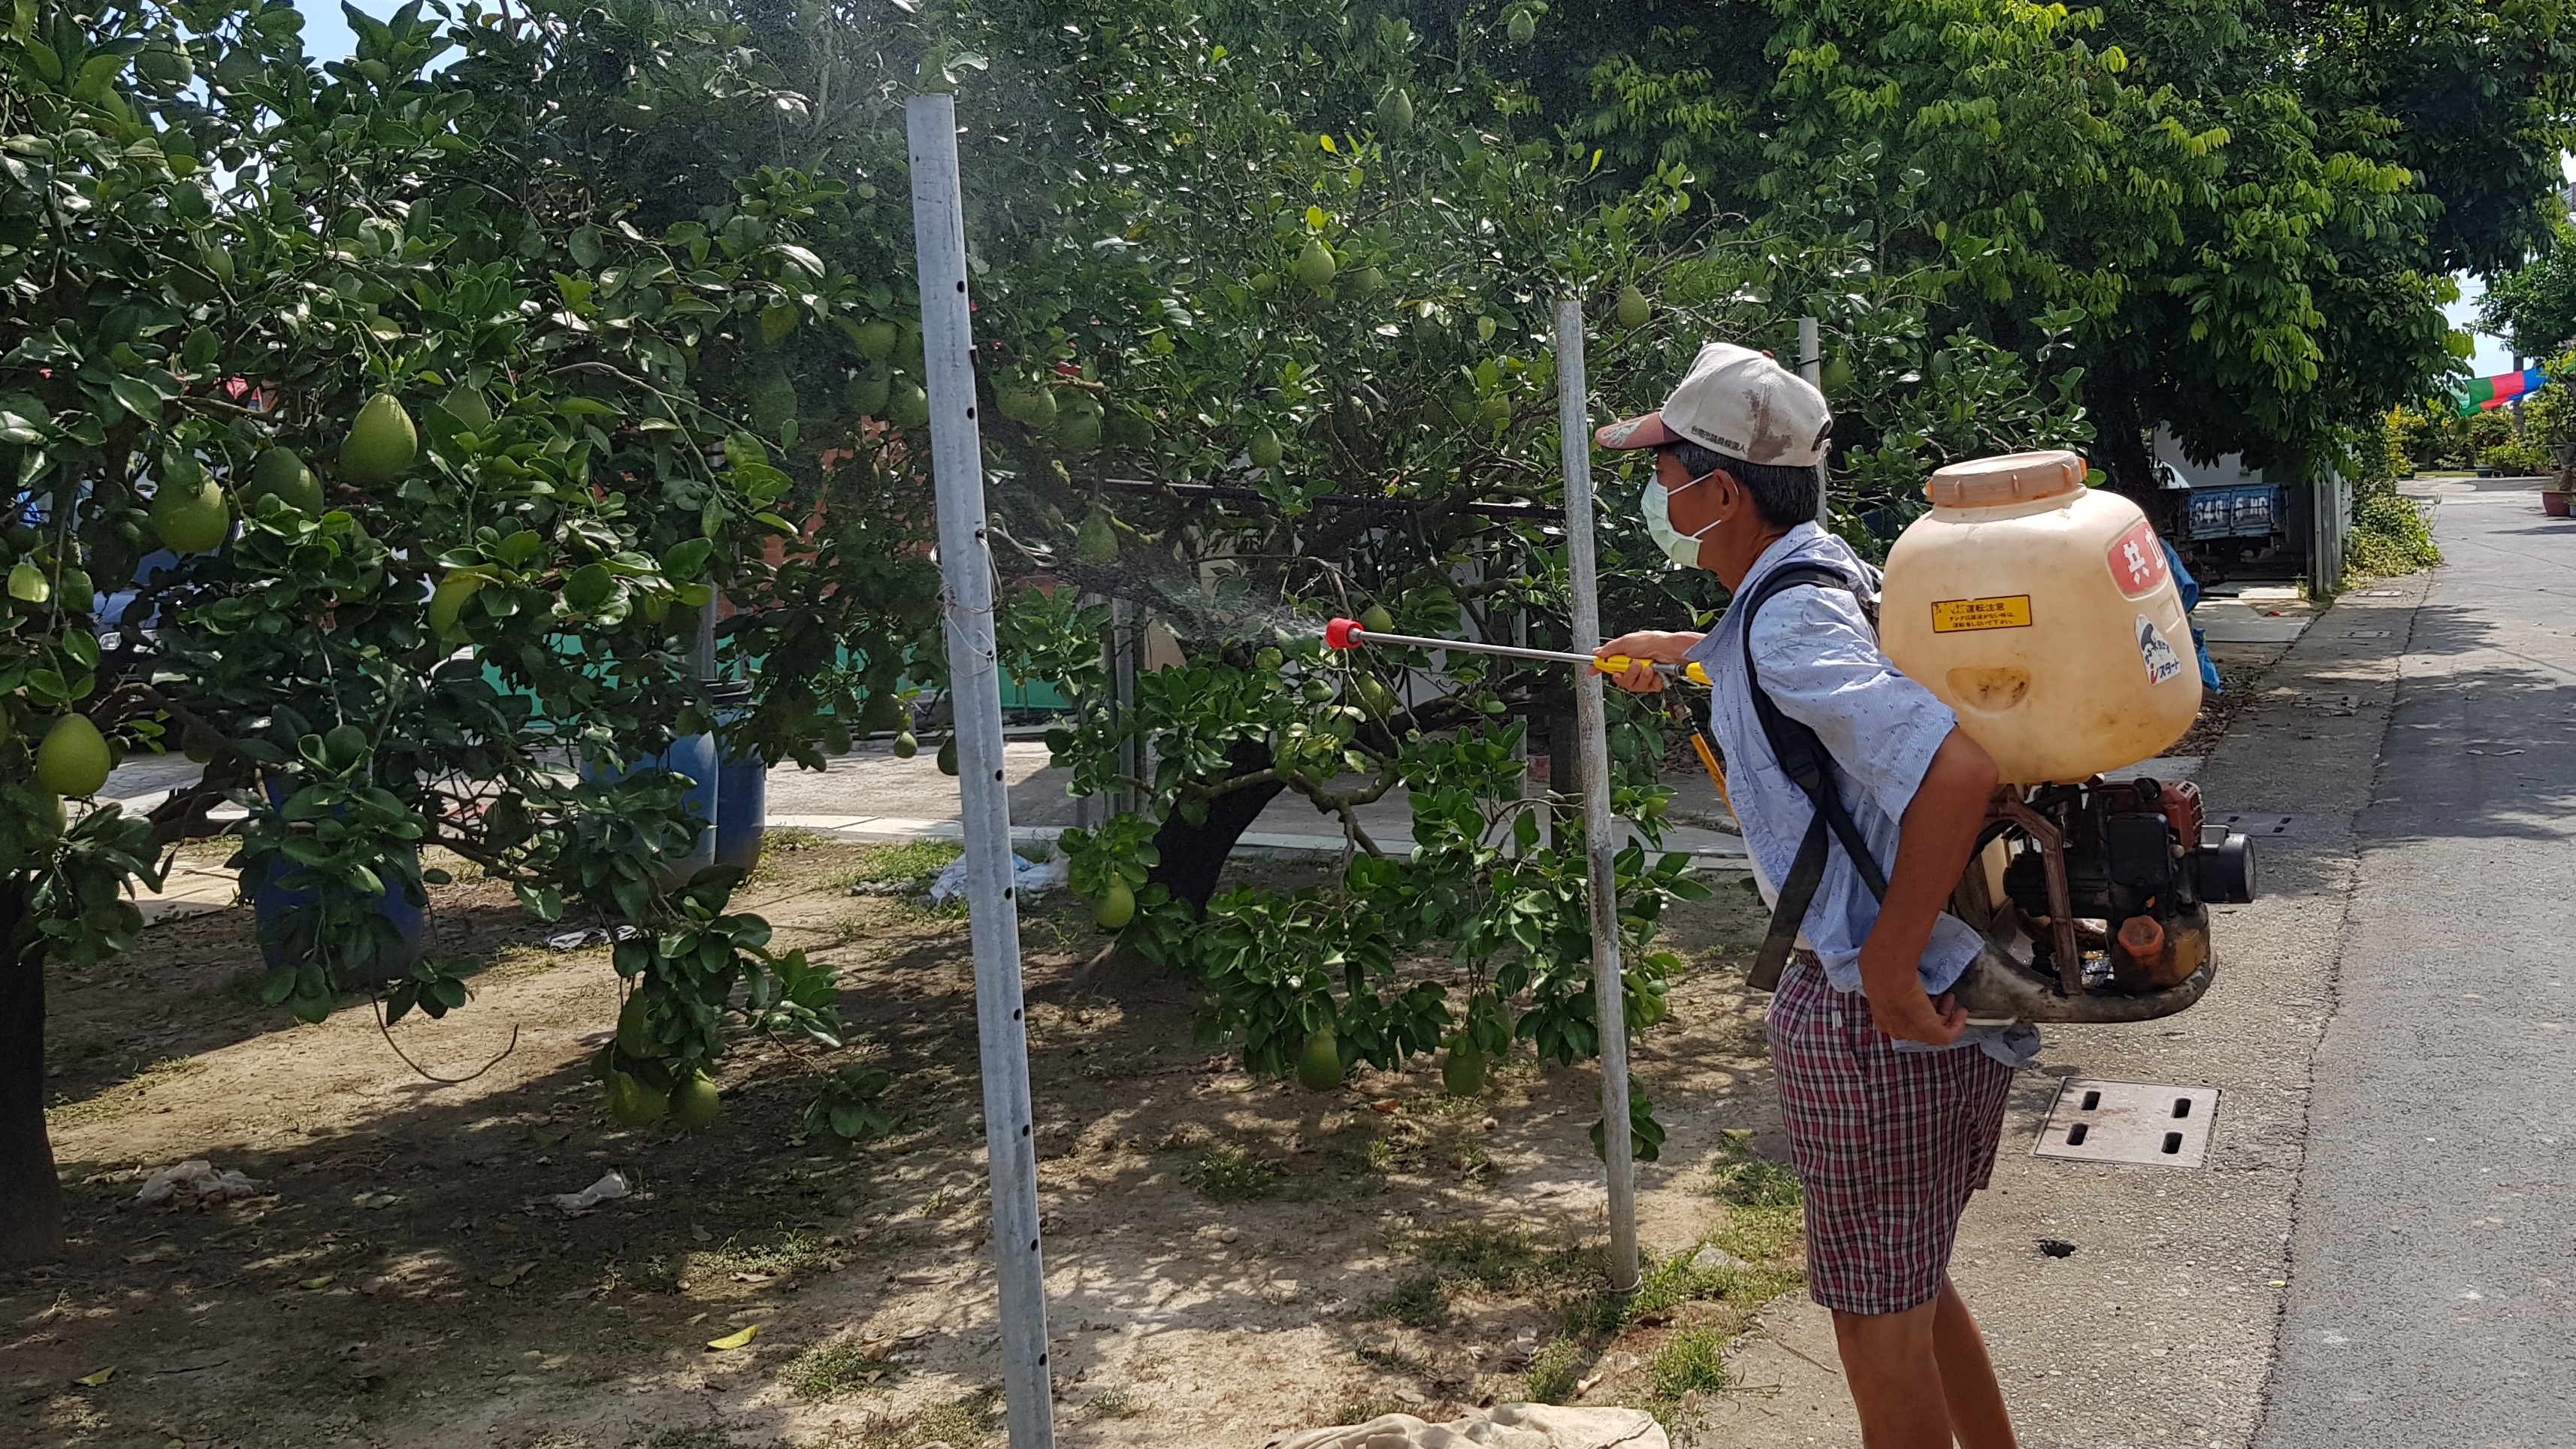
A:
x: 1506, y: 1259
x: 962, y: 1424
x: 909, y: 864
x: 1417, y: 1301
x: 1746, y: 1181
x: 1554, y: 1371
x: 1231, y: 1172
x: 1692, y: 1361
x: 1360, y: 1411
x: 794, y: 1252
x: 1114, y: 1404
x: 833, y: 1371
x: 108, y: 1103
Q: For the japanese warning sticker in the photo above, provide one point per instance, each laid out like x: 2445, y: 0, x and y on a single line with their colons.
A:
x: 2137, y: 560
x: 2162, y: 662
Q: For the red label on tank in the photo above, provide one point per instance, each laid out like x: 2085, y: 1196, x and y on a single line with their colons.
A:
x: 2138, y: 560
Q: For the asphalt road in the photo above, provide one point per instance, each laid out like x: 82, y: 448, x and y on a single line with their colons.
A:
x: 2432, y: 1296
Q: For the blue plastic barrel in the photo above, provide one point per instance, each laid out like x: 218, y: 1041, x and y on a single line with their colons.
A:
x: 272, y: 902
x: 742, y: 790
x: 695, y: 757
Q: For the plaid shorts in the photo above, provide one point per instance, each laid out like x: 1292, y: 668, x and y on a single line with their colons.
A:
x: 1887, y: 1144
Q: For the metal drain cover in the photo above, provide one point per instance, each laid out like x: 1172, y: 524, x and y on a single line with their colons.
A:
x: 2260, y: 824
x: 2137, y: 1122
x: 2371, y: 634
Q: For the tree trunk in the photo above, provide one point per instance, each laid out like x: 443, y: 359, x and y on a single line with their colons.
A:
x: 31, y: 1196
x: 2121, y: 450
x: 1194, y: 855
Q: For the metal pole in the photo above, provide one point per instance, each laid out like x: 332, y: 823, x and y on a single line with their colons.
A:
x: 1811, y: 366
x: 1600, y: 827
x: 975, y: 694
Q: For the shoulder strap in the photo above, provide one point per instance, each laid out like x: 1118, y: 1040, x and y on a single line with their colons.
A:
x: 1807, y: 762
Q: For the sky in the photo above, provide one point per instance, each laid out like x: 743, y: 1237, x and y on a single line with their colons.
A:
x: 327, y: 36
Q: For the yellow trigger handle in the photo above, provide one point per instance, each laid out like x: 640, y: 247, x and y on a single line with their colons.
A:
x: 1620, y: 663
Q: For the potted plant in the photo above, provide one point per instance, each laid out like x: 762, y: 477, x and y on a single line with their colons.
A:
x: 2554, y: 498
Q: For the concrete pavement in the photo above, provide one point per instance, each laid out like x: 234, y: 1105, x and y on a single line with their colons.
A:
x: 2433, y: 1281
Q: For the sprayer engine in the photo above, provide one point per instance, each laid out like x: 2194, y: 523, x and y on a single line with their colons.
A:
x: 2109, y: 883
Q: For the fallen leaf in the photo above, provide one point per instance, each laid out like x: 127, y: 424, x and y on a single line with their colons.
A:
x: 311, y: 1284
x: 91, y: 1381
x: 736, y: 1339
x: 694, y: 1320
x: 1389, y: 1105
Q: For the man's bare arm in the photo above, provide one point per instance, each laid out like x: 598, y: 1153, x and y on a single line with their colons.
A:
x: 1937, y: 835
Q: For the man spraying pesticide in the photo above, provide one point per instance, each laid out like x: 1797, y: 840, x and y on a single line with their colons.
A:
x: 1893, y: 1102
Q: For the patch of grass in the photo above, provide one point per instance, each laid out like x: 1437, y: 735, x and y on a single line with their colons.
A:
x: 656, y: 1274
x: 1231, y: 1172
x: 1693, y: 1360
x: 1554, y: 1370
x: 1388, y: 1357
x: 910, y: 862
x: 792, y: 1252
x: 962, y: 1424
x: 1746, y: 1181
x: 833, y: 1371
x: 1505, y: 1259
x: 1360, y: 1411
x: 1416, y: 1301
x: 108, y: 1103
x: 1114, y: 1404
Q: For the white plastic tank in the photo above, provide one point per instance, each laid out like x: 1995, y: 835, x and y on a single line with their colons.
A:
x: 2043, y: 612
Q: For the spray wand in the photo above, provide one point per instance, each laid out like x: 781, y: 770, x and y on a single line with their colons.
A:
x: 1349, y: 634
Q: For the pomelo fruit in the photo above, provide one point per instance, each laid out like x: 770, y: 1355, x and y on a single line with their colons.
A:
x: 1266, y: 449
x: 948, y: 755
x: 1095, y: 543
x: 907, y: 406
x: 694, y: 1103
x: 868, y: 392
x: 77, y: 592
x: 876, y: 339
x: 1376, y: 620
x: 1319, y: 1066
x: 27, y: 583
x: 282, y: 475
x: 905, y: 746
x: 447, y: 600
x: 74, y: 758
x: 1315, y: 264
x: 1462, y: 1073
x: 1633, y: 309
x: 1368, y: 281
x: 381, y: 443
x: 633, y: 1102
x: 1395, y: 113
x: 634, y: 1028
x: 191, y: 517
x: 343, y: 746
x: 1117, y: 906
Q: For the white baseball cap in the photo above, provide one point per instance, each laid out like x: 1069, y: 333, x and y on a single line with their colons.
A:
x: 1739, y: 402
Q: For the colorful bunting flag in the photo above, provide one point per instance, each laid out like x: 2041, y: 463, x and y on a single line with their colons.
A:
x: 2492, y: 392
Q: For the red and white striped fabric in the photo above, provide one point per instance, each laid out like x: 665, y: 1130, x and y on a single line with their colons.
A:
x: 1888, y: 1145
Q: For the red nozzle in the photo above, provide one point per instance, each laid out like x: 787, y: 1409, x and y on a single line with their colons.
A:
x: 1342, y: 633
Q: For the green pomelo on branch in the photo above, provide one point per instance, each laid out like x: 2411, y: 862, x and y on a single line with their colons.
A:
x: 76, y: 590
x: 191, y: 517
x: 1376, y: 620
x: 448, y: 600
x: 1319, y: 1066
x: 380, y: 445
x: 74, y: 758
x: 1095, y: 543
x: 907, y: 406
x: 633, y: 1102
x: 695, y: 1103
x: 1462, y: 1073
x: 1117, y: 906
x: 948, y: 756
x: 876, y: 339
x: 1633, y: 307
x: 1266, y: 450
x: 868, y: 392
x: 1395, y: 113
x: 905, y: 746
x: 27, y: 583
x: 343, y: 746
x: 1368, y: 281
x: 634, y: 1028
x: 1315, y: 264
x: 280, y: 474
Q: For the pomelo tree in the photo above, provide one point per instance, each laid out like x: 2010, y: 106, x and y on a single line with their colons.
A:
x: 426, y: 442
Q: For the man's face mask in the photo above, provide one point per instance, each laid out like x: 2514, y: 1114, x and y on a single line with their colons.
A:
x: 1681, y: 548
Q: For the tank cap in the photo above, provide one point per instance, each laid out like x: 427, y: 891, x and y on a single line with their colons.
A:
x: 2011, y: 478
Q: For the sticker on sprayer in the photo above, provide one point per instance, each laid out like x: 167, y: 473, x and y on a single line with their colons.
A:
x: 1953, y: 616
x: 2137, y: 561
x: 2162, y: 662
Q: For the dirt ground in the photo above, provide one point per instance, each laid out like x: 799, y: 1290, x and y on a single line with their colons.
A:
x: 1229, y: 1258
